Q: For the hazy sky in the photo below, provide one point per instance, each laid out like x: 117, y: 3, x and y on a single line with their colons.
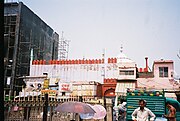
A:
x: 144, y: 27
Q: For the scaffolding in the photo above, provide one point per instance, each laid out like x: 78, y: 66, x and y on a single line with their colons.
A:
x: 11, y: 34
x: 25, y: 31
x: 63, y: 48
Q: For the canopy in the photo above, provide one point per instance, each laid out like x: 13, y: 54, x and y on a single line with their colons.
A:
x: 121, y: 87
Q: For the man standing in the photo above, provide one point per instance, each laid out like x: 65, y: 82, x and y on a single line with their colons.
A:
x: 171, y: 116
x: 142, y: 113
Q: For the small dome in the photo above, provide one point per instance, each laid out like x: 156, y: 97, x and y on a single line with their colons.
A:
x: 122, y: 58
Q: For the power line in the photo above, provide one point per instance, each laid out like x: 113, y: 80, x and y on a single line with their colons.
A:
x: 178, y: 55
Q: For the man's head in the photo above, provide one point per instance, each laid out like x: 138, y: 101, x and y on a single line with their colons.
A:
x: 168, y: 104
x: 142, y: 104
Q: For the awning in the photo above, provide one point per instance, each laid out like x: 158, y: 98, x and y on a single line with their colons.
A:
x: 121, y: 87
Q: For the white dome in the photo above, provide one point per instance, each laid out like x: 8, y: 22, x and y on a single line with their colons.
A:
x: 122, y: 58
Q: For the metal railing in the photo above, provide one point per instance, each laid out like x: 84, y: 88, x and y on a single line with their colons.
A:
x: 30, y: 108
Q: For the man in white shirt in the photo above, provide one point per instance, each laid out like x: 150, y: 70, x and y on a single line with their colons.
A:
x: 142, y: 113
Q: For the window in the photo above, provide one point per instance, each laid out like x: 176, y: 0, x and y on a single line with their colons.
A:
x: 63, y: 93
x: 163, y: 71
x: 126, y: 72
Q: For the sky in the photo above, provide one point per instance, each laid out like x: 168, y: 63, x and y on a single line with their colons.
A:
x: 145, y: 28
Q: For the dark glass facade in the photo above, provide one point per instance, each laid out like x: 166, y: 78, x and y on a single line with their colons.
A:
x: 25, y: 32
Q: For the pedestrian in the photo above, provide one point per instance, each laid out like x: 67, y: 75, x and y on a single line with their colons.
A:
x: 171, y: 116
x: 122, y: 112
x: 115, y: 111
x: 142, y: 113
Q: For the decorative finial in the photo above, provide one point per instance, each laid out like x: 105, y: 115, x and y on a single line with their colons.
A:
x: 121, y: 50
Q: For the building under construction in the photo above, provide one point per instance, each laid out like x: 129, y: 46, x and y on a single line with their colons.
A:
x: 26, y: 36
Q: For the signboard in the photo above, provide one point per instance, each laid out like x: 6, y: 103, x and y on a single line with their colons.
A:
x: 46, y: 84
x: 49, y: 92
x: 34, y: 85
x: 64, y: 87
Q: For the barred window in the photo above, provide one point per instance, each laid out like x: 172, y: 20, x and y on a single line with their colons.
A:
x: 163, y: 71
x: 126, y: 72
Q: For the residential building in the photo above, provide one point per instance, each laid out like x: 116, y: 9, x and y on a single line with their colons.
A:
x: 161, y: 77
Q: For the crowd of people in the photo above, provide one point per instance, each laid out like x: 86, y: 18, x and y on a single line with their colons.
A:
x: 142, y: 113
